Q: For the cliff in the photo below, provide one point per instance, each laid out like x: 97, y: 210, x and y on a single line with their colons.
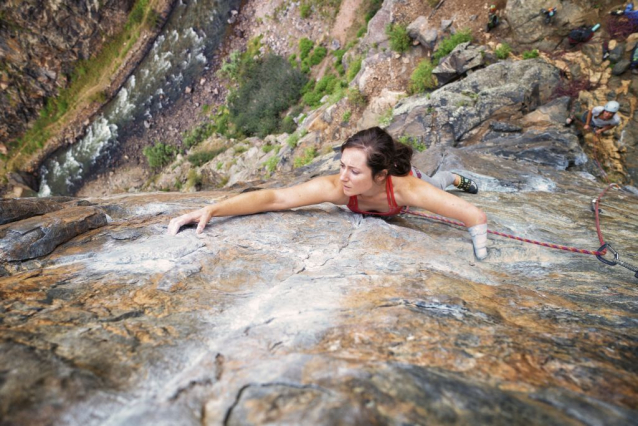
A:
x: 321, y: 316
x: 40, y: 42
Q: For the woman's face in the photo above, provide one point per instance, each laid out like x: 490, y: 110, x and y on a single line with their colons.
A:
x: 355, y: 176
x: 606, y: 115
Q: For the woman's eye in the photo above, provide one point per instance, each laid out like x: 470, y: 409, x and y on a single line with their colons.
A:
x: 355, y: 173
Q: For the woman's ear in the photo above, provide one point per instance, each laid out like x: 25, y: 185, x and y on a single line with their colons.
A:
x: 381, y: 176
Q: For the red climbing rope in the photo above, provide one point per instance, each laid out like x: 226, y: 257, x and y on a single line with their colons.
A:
x: 526, y: 240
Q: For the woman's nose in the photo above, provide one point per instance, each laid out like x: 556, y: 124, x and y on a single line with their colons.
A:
x: 342, y: 176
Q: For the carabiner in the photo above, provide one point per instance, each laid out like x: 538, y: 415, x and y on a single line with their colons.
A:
x: 605, y: 261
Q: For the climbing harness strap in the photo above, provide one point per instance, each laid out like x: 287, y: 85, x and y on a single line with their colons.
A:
x: 598, y: 253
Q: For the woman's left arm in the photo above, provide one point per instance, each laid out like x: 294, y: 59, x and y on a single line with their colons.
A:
x: 414, y: 192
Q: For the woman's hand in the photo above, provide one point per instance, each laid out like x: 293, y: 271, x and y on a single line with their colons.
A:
x: 586, y: 127
x: 201, y: 216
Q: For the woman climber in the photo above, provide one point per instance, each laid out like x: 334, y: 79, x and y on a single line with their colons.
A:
x: 376, y: 178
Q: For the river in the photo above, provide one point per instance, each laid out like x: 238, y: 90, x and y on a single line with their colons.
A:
x: 178, y: 57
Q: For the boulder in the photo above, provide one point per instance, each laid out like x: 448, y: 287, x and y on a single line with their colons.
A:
x: 377, y: 107
x: 463, y: 58
x: 617, y: 52
x: 12, y: 210
x: 554, y: 147
x: 40, y: 235
x: 376, y: 27
x: 528, y: 25
x: 420, y: 30
x: 621, y: 67
x: 448, y: 114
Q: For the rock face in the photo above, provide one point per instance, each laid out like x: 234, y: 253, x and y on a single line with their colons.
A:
x: 463, y: 58
x: 448, y: 115
x: 322, y: 316
x: 39, y: 44
x: 528, y: 24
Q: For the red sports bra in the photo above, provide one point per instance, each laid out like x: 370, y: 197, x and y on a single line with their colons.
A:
x: 353, y: 203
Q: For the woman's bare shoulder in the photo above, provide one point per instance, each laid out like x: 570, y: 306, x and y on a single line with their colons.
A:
x: 333, y: 190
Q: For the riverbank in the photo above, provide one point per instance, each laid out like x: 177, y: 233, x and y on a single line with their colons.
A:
x: 21, y: 172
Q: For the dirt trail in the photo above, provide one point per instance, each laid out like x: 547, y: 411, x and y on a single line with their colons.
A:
x: 344, y: 19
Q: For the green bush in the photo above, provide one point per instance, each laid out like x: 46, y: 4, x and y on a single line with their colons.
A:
x: 503, y: 51
x: 530, y: 54
x: 270, y: 87
x: 356, y: 98
x: 230, y: 67
x: 199, y: 134
x: 194, y: 179
x: 386, y: 118
x: 414, y: 142
x: 422, y: 78
x: 354, y: 68
x: 338, y: 54
x: 448, y: 44
x: 307, y: 157
x: 200, y: 158
x: 271, y: 164
x: 304, y: 10
x: 288, y: 125
x: 317, y: 55
x: 305, y: 46
x: 240, y: 149
x: 371, y: 8
x: 346, y: 116
x: 399, y: 38
x: 326, y: 86
x: 293, y: 140
x: 159, y: 155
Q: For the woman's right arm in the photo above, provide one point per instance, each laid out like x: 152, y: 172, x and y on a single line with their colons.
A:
x: 318, y: 190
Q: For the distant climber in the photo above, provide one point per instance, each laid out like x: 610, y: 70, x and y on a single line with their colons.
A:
x: 579, y: 35
x: 492, y: 18
x: 549, y: 15
x: 376, y: 178
x: 601, y: 118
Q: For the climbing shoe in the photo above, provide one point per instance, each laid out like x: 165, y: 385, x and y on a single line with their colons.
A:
x: 569, y: 121
x: 467, y: 185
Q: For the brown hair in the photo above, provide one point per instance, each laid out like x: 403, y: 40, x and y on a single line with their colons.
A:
x: 382, y: 152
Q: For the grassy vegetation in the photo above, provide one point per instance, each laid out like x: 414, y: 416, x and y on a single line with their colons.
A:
x: 422, y: 78
x: 87, y: 81
x: 307, y: 157
x: 354, y: 68
x: 530, y: 54
x: 448, y: 44
x: 271, y: 164
x: 293, y: 139
x: 159, y: 155
x: 305, y: 47
x: 503, y: 51
x: 386, y: 118
x: 305, y: 10
x: 414, y: 142
x: 356, y: 98
x: 346, y: 116
x: 199, y: 134
x: 200, y: 158
x: 399, y: 38
x: 313, y: 92
x: 194, y: 179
